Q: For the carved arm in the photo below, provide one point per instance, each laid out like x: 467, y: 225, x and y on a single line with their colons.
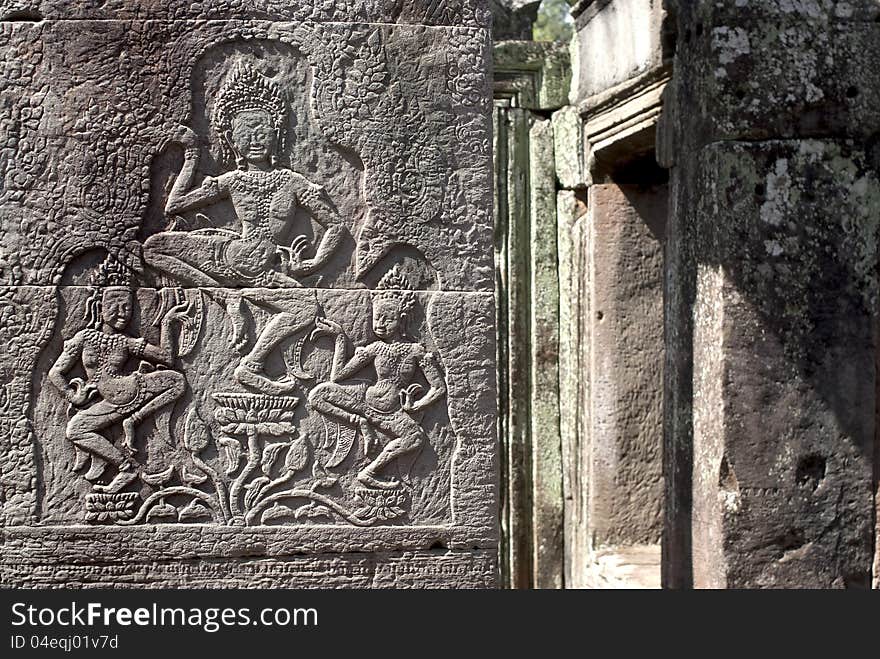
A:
x: 362, y: 357
x: 182, y: 197
x: 434, y: 376
x: 325, y: 326
x: 66, y: 360
x: 75, y: 391
x: 166, y: 351
x: 315, y: 199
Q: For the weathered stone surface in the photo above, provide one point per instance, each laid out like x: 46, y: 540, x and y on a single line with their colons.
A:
x: 471, y: 13
x: 413, y: 569
x: 678, y: 319
x: 570, y: 149
x: 786, y: 292
x: 628, y: 567
x: 617, y: 41
x: 778, y: 70
x: 391, y: 123
x: 284, y: 460
x: 247, y: 299
x: 626, y: 374
x: 547, y: 495
x: 574, y: 380
x: 772, y: 295
x: 696, y: 11
x: 535, y: 74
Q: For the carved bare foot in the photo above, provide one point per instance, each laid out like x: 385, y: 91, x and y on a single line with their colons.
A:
x: 282, y: 280
x: 97, y: 468
x: 80, y: 458
x: 159, y: 478
x: 121, y: 479
x: 251, y: 377
x: 368, y: 478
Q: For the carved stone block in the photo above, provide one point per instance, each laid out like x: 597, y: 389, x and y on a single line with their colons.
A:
x: 378, y: 137
x: 724, y: 51
x: 247, y: 305
x: 466, y: 13
x: 778, y: 241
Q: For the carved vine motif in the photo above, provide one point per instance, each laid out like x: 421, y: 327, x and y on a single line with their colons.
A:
x: 248, y: 494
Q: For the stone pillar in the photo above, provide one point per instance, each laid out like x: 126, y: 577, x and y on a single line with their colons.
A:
x: 773, y: 289
x: 530, y: 81
x: 573, y: 385
x: 247, y: 311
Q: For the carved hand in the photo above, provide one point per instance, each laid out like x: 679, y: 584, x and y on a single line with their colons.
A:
x: 179, y: 312
x: 305, y: 267
x: 325, y: 326
x: 80, y: 392
x: 185, y: 136
x: 293, y: 257
x: 408, y: 398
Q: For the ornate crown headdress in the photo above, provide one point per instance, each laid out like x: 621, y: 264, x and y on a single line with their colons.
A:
x: 246, y: 89
x: 111, y: 272
x: 395, y: 286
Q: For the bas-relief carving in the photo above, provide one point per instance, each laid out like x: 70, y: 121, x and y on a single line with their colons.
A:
x: 467, y: 13
x: 197, y: 366
x: 364, y: 436
x: 392, y: 123
x: 109, y: 394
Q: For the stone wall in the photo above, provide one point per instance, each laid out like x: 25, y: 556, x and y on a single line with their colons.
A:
x: 247, y: 302
x: 770, y: 129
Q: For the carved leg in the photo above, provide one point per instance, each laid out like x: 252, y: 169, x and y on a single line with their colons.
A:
x: 162, y: 388
x: 181, y: 271
x: 96, y: 469
x: 338, y: 401
x: 409, y: 437
x: 83, y: 430
x: 167, y: 252
x: 125, y: 476
x: 250, y: 370
x: 344, y: 403
x: 235, y: 310
x: 80, y: 458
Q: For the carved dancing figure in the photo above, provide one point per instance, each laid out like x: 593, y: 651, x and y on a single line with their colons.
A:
x: 388, y: 405
x: 250, y: 116
x: 111, y: 393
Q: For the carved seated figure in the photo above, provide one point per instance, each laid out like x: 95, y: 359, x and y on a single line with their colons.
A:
x: 250, y: 116
x: 110, y: 393
x: 388, y: 405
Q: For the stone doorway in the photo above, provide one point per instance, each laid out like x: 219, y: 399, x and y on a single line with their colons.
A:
x: 581, y: 211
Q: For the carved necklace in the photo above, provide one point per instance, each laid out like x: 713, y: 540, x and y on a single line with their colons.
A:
x: 104, y: 344
x: 395, y: 351
x: 261, y: 186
